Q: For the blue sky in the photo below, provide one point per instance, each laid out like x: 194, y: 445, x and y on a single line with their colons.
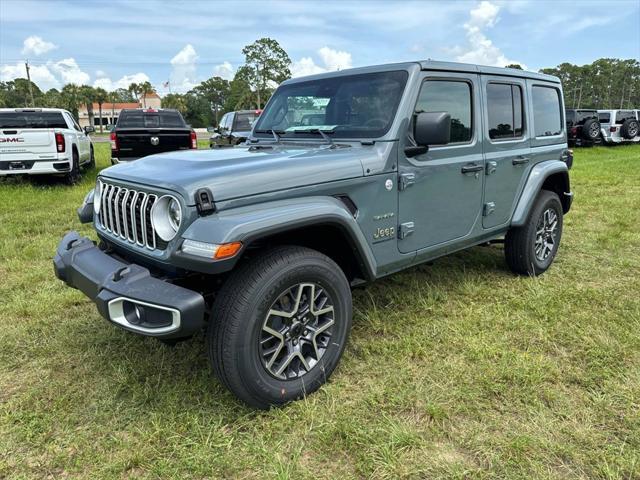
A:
x: 111, y: 43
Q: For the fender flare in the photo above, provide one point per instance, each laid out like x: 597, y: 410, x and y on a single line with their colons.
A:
x: 251, y: 223
x: 536, y: 179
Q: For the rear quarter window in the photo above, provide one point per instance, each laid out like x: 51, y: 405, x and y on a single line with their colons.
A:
x: 604, y: 117
x: 32, y: 120
x: 547, y: 114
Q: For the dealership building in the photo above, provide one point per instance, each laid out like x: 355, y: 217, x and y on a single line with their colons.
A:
x: 111, y: 111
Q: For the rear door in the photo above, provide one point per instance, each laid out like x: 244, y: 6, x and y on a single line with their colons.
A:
x: 506, y: 146
x: 440, y: 193
x: 81, y: 138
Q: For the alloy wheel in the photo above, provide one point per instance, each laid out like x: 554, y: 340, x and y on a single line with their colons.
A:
x: 297, y: 331
x: 546, y: 234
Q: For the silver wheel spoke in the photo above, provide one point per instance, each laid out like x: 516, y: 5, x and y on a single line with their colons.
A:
x: 289, y: 345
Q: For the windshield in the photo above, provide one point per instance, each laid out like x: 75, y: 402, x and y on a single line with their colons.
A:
x: 32, y: 120
x: 151, y: 120
x: 360, y: 106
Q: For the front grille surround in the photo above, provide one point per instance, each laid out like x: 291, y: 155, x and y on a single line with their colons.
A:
x: 125, y: 214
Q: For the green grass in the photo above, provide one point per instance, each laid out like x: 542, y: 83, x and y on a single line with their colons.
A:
x: 456, y: 370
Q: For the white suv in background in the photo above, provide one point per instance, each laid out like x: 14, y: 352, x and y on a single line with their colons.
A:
x: 618, y: 126
x: 35, y: 141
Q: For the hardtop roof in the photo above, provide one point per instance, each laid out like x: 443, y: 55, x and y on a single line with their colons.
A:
x: 433, y: 65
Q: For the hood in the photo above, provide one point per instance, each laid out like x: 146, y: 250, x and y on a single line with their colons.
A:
x: 241, y: 171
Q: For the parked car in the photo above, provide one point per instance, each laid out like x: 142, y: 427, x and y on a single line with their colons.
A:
x: 261, y: 244
x: 141, y: 132
x: 43, y: 141
x: 618, y: 126
x: 583, y: 127
x: 234, y: 128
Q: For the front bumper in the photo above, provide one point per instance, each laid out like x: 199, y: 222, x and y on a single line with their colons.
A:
x: 127, y: 294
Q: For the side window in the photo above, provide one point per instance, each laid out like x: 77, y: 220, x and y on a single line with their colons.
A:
x: 547, y: 117
x: 504, y: 106
x: 453, y: 97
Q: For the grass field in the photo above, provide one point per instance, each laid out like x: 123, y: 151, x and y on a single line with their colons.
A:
x: 456, y: 370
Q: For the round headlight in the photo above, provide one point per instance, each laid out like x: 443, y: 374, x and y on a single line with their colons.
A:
x: 97, y: 197
x: 166, y: 216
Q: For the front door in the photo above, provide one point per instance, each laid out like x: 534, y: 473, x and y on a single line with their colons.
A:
x: 507, y: 147
x: 440, y: 192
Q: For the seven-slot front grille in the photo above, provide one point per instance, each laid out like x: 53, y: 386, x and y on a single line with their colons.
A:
x: 126, y: 214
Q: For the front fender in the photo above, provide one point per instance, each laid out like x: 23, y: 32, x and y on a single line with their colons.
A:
x: 537, y: 177
x: 250, y: 223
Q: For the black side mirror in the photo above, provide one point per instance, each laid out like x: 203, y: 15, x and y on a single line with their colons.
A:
x: 89, y: 129
x: 432, y: 128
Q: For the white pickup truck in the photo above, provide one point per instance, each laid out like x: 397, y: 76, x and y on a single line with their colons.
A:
x: 35, y: 141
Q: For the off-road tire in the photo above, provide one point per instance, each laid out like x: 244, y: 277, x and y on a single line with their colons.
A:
x: 239, y: 312
x: 73, y: 177
x: 630, y: 129
x: 591, y: 130
x: 520, y: 242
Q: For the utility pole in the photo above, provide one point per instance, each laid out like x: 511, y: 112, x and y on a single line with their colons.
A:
x: 26, y: 64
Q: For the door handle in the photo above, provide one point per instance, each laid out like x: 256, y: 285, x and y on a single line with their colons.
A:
x: 473, y: 167
x: 520, y: 161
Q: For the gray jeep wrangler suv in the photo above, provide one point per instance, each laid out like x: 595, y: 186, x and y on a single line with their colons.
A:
x: 346, y: 177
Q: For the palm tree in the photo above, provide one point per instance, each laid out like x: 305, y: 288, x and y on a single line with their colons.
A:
x: 70, y: 94
x: 145, y: 88
x: 88, y: 96
x: 135, y: 89
x: 113, y: 98
x: 101, y: 96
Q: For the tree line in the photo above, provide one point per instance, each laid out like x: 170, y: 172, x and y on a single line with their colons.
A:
x: 605, y: 83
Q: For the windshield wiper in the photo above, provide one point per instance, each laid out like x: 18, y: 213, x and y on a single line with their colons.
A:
x: 276, y: 133
x: 323, y: 134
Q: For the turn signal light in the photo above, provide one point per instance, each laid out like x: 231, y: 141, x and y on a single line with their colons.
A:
x: 194, y: 140
x: 227, y: 250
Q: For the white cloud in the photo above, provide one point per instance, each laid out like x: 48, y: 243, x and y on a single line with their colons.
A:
x: 224, y: 70
x: 69, y: 71
x: 35, y: 45
x: 480, y: 48
x: 183, y: 73
x: 40, y: 75
x: 331, y: 60
x: 124, y: 82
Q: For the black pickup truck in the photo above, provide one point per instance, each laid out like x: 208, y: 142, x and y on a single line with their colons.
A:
x: 141, y: 132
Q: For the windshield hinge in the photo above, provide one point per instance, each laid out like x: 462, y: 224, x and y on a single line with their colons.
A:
x: 406, y: 180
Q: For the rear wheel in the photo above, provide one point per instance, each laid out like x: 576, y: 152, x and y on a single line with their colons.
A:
x: 92, y: 160
x: 280, y: 325
x: 73, y: 177
x: 531, y: 249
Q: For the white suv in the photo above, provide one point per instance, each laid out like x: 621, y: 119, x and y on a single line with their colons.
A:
x: 618, y: 126
x: 36, y: 141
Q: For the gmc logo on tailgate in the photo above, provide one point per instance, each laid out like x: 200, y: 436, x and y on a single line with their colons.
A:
x: 12, y: 140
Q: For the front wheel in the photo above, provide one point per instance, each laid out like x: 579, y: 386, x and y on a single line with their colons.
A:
x: 279, y: 326
x: 531, y: 249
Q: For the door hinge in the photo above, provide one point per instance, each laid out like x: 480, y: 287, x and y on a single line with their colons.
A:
x: 489, y: 208
x: 406, y: 180
x: 491, y: 167
x: 405, y: 230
